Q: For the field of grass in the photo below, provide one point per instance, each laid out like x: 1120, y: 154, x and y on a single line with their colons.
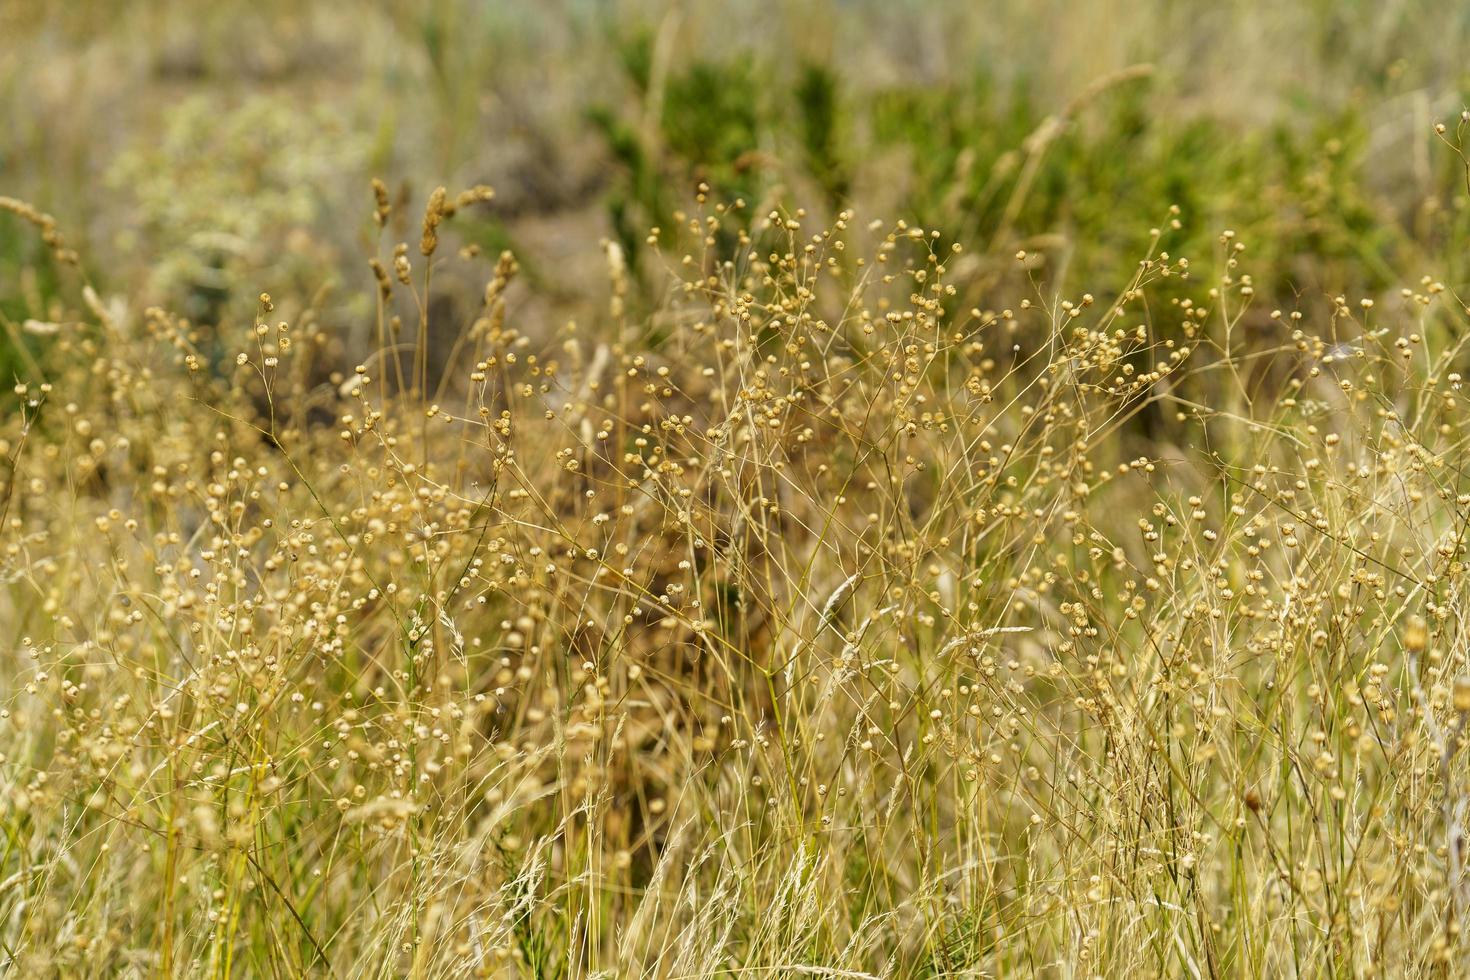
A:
x: 819, y: 488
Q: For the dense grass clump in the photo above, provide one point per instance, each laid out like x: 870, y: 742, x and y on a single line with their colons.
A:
x: 877, y: 490
x: 812, y: 624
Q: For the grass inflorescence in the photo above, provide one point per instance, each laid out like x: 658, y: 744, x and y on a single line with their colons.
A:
x: 812, y: 622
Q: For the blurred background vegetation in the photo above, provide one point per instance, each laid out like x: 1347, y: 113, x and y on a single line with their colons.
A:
x: 231, y: 143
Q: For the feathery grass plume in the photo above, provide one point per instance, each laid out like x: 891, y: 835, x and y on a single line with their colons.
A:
x: 434, y: 213
x: 45, y: 224
x: 382, y: 206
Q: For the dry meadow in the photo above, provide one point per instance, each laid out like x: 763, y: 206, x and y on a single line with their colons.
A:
x: 823, y: 488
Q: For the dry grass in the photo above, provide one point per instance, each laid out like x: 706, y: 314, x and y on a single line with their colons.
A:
x: 835, y: 631
x: 831, y: 599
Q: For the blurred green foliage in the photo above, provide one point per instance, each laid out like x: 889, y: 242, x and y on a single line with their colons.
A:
x: 29, y: 289
x: 995, y: 167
